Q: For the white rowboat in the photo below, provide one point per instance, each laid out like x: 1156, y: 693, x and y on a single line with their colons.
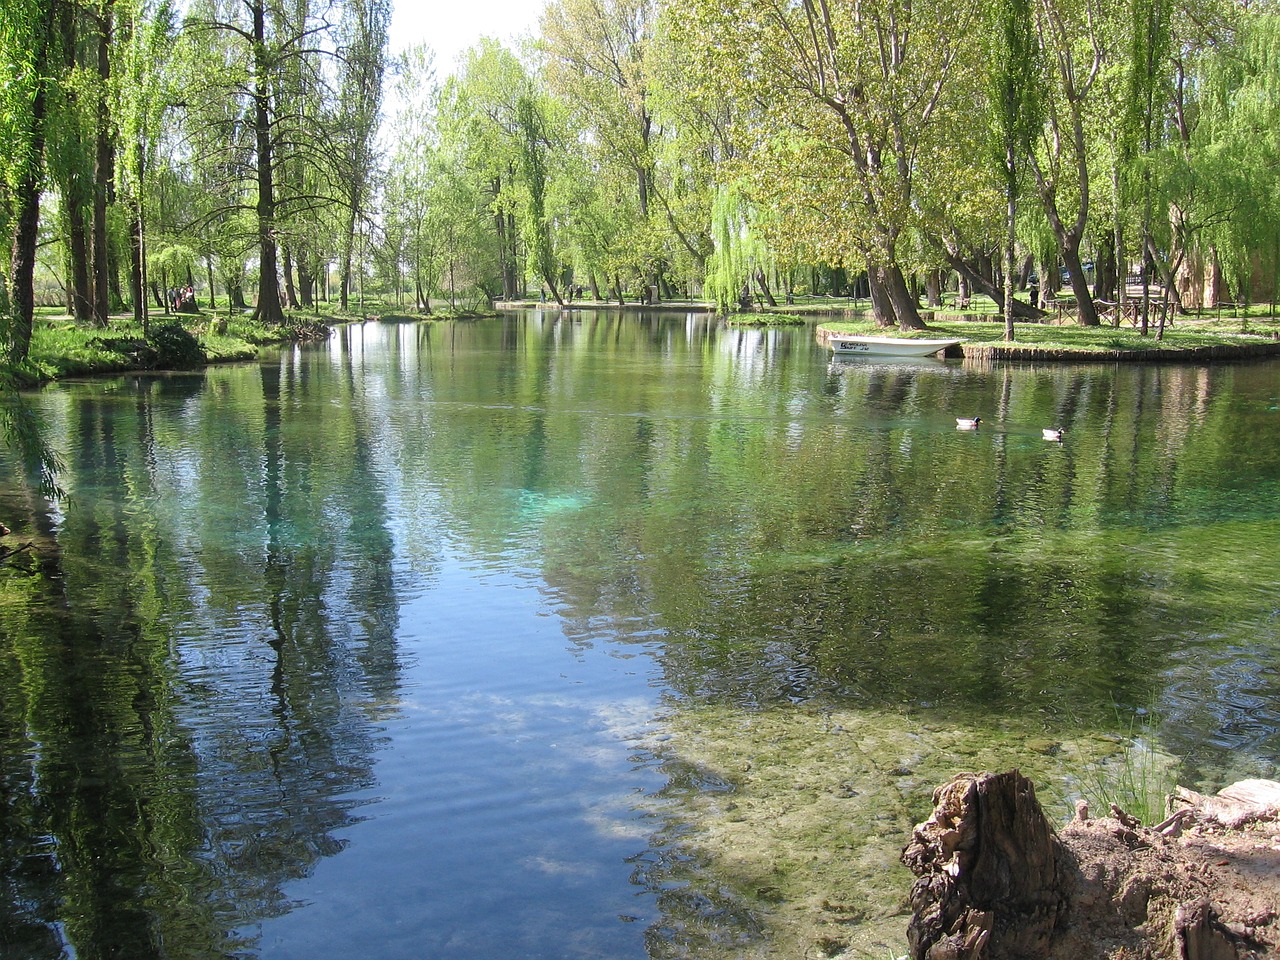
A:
x: 887, y: 346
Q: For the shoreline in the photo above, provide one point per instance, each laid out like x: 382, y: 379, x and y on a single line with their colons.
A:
x: 1159, y: 352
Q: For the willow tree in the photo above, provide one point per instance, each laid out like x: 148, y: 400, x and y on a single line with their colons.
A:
x: 844, y: 105
x: 739, y: 253
x: 1234, y: 154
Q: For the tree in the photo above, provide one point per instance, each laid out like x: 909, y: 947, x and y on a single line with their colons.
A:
x: 270, y: 95
x: 1075, y: 36
x: 27, y: 48
x: 849, y: 105
x: 598, y: 58
x: 362, y: 62
x: 739, y: 253
x: 1224, y: 205
x: 1015, y: 97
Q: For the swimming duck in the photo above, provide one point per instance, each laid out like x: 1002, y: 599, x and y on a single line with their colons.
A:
x: 967, y: 423
x: 1053, y: 433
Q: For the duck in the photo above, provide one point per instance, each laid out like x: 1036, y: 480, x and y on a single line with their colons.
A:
x: 967, y: 423
x: 1053, y: 433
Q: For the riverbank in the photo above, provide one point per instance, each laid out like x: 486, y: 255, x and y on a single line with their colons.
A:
x: 62, y: 348
x: 1203, y: 338
x: 1188, y: 341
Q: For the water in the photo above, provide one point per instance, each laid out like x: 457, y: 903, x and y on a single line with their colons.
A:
x: 393, y: 646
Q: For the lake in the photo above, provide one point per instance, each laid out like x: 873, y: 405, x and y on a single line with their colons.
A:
x: 598, y: 635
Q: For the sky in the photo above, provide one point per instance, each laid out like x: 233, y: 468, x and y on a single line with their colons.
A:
x: 451, y: 26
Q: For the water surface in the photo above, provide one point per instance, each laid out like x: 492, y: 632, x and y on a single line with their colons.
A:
x: 383, y: 646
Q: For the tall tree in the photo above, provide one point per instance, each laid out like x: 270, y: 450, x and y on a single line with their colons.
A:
x: 1076, y: 36
x: 599, y: 58
x: 849, y: 103
x: 362, y: 59
x: 27, y: 48
x: 1015, y: 82
x: 263, y: 45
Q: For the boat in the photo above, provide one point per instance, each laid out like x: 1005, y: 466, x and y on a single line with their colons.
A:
x: 887, y: 346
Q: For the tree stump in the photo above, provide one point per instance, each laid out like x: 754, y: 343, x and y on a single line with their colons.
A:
x: 991, y: 882
x: 997, y: 882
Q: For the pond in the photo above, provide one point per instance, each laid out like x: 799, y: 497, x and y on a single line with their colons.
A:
x: 600, y: 635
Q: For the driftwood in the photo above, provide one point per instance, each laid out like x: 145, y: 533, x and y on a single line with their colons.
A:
x: 997, y: 882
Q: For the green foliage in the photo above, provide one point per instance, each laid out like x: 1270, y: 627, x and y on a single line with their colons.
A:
x: 23, y: 433
x: 175, y: 348
x: 734, y: 250
x: 1130, y: 771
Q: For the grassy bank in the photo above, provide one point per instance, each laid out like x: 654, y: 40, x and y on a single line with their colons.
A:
x: 61, y: 347
x: 984, y: 335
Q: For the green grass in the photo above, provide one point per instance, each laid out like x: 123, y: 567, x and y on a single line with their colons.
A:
x: 766, y: 319
x: 1184, y: 333
x: 1136, y: 775
x: 60, y: 347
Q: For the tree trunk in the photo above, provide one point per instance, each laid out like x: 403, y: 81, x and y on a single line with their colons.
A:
x: 306, y: 280
x: 25, y: 200
x: 269, y: 311
x: 104, y: 171
x: 137, y: 265
x: 290, y: 295
x: 1010, y: 239
x: 763, y: 283
x: 992, y: 878
x: 933, y: 288
x: 78, y: 241
x: 1105, y: 279
x: 891, y: 300
x: 22, y: 261
x: 1079, y: 282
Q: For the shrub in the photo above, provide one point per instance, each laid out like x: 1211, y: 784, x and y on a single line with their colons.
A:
x: 175, y: 347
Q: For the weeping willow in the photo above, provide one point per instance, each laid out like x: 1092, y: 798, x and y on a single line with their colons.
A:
x: 738, y: 252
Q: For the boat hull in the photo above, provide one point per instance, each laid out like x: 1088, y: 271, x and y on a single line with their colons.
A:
x: 888, y: 346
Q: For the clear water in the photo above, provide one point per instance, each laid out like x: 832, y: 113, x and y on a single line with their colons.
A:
x: 371, y: 648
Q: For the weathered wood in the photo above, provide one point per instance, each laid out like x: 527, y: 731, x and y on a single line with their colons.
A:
x: 1199, y: 936
x: 990, y: 883
x: 1233, y: 806
x: 996, y: 882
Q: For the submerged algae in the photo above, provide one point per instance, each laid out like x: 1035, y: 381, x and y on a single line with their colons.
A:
x: 815, y: 803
